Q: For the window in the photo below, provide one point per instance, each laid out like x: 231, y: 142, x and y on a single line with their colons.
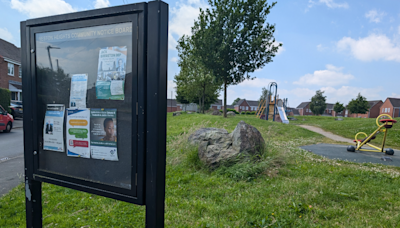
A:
x: 388, y: 110
x: 10, y: 69
x: 383, y: 110
x: 20, y: 71
x: 247, y: 108
x: 14, y: 96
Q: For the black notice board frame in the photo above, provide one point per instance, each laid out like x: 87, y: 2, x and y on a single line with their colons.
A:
x: 149, y: 65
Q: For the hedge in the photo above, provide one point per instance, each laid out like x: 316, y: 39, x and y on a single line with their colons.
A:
x: 5, y: 98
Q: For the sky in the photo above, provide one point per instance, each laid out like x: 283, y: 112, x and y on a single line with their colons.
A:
x: 341, y: 47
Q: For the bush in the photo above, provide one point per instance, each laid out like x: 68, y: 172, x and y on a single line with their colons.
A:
x: 230, y: 110
x: 5, y: 98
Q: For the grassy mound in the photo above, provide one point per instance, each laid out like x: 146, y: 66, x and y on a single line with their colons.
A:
x: 287, y: 187
x: 349, y: 127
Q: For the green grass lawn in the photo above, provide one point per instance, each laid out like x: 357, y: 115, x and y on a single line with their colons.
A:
x: 349, y: 127
x: 287, y: 187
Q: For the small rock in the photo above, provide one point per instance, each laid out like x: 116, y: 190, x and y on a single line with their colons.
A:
x: 216, y: 113
x: 339, y: 119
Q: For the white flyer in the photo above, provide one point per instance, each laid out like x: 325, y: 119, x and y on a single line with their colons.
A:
x: 78, y: 91
x: 78, y: 137
x: 103, y: 134
x: 53, y: 129
x: 117, y: 88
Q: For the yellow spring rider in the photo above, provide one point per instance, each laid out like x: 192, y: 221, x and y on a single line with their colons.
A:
x: 383, y: 126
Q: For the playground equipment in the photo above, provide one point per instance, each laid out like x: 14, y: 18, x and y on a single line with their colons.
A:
x: 383, y: 126
x: 267, y: 109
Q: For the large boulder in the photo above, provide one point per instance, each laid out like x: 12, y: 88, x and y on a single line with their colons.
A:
x: 217, y: 145
x: 216, y: 113
x: 230, y: 113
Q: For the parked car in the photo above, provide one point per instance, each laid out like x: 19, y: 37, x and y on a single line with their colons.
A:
x: 16, y: 109
x: 6, y: 120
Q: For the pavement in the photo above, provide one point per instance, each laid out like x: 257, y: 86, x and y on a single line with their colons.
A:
x: 11, y: 158
x: 340, y: 152
x: 327, y: 134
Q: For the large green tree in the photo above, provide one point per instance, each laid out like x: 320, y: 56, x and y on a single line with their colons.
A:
x: 264, y: 94
x: 196, y: 84
x: 358, y: 105
x: 339, y: 107
x: 318, y: 103
x: 232, y: 39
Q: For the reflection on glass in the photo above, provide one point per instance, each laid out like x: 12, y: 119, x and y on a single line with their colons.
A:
x: 104, y: 54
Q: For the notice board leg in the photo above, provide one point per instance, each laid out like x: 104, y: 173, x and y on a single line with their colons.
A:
x: 157, y: 54
x: 33, y: 199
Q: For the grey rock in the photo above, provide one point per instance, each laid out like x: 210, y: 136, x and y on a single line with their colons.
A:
x: 217, y: 145
x: 339, y: 119
x: 230, y: 113
x: 216, y: 113
x: 176, y: 114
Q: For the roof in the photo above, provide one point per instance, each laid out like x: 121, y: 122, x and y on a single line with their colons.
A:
x: 171, y: 102
x: 303, y: 104
x: 16, y: 84
x: 230, y: 106
x: 252, y: 103
x: 240, y: 102
x: 395, y: 102
x: 219, y: 102
x: 373, y: 103
x: 329, y: 106
x: 10, y: 51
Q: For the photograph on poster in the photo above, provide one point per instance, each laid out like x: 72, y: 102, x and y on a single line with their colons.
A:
x: 103, y: 134
x: 53, y: 129
x: 78, y: 137
x: 111, y: 73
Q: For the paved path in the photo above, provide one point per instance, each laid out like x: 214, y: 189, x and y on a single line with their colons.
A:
x: 327, y: 134
x: 11, y: 158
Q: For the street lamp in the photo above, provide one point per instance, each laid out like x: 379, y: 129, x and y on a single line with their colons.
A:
x: 48, y: 51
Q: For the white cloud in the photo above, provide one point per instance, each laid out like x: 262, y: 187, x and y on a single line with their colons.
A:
x: 320, y: 47
x: 329, y: 3
x: 101, y: 4
x: 280, y: 49
x: 42, y: 8
x: 256, y: 83
x: 171, y: 87
x: 174, y: 59
x: 395, y: 95
x: 183, y: 15
x: 372, y: 47
x: 398, y: 30
x: 332, y: 76
x: 344, y: 94
x: 6, y: 35
x: 375, y: 16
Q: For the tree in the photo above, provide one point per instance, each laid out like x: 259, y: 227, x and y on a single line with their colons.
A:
x: 232, y: 39
x: 236, y: 101
x: 358, y: 105
x: 264, y: 94
x: 318, y: 103
x: 338, y: 108
x: 195, y: 83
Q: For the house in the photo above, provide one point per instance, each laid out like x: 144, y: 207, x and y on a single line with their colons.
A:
x: 244, y: 105
x: 391, y: 106
x: 172, y: 105
x: 10, y: 69
x: 373, y: 112
x: 304, y: 109
x: 217, y: 105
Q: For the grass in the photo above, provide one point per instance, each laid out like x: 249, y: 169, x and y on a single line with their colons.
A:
x: 349, y: 127
x: 287, y: 187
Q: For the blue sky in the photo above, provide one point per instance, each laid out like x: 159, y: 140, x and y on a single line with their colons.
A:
x: 341, y: 47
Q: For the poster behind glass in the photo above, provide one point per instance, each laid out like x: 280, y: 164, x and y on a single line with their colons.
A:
x: 88, y: 69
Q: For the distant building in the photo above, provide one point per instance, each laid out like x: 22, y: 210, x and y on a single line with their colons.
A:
x: 244, y: 105
x: 391, y: 106
x: 304, y: 109
x: 217, y: 105
x: 10, y: 69
x: 373, y: 111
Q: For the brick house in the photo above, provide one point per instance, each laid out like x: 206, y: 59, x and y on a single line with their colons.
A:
x: 10, y: 69
x: 373, y: 112
x: 217, y: 105
x: 391, y: 106
x: 244, y: 105
x: 304, y: 109
x: 172, y: 105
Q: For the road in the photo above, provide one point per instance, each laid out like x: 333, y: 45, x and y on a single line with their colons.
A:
x: 11, y: 158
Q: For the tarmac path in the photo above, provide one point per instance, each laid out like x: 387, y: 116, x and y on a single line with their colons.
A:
x: 327, y: 134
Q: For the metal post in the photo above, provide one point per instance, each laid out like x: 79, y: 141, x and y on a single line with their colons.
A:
x: 157, y: 47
